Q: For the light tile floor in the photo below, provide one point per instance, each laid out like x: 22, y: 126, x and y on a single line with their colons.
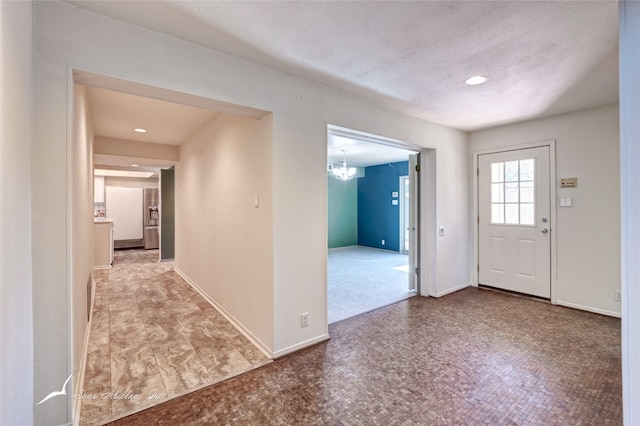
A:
x: 362, y: 279
x: 153, y: 338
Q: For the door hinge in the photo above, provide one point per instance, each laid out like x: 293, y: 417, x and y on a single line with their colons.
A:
x: 478, y: 220
x: 478, y: 268
x: 417, y: 271
x: 417, y: 167
x: 478, y: 171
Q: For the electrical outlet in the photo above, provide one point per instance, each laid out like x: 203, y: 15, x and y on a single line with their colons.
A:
x: 304, y: 319
x: 382, y: 242
x: 618, y: 295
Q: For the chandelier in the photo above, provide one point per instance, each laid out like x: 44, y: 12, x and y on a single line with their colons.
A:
x: 344, y: 172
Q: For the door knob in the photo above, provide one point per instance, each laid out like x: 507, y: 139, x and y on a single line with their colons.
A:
x: 544, y: 230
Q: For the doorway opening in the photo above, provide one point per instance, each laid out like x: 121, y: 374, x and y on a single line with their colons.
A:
x: 373, y: 222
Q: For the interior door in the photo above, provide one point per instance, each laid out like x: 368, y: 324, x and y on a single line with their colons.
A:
x: 414, y: 222
x: 514, y: 221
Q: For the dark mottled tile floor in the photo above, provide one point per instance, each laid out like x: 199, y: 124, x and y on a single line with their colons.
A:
x: 153, y: 337
x: 474, y: 357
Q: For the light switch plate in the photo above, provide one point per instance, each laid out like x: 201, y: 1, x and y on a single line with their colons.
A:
x: 566, y: 201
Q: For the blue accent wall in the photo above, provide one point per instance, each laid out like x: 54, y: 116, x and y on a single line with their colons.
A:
x: 378, y: 219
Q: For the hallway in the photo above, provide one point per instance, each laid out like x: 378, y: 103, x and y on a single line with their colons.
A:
x: 153, y: 338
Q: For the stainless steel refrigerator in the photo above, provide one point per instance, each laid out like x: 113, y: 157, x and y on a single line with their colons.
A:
x: 151, y: 218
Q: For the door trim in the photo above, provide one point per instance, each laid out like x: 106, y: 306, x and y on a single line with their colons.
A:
x: 403, y: 208
x: 551, y: 143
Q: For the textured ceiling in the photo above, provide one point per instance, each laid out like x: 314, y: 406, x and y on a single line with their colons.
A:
x: 543, y: 58
x: 362, y: 153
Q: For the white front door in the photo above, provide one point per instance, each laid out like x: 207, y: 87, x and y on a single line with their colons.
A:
x: 514, y: 248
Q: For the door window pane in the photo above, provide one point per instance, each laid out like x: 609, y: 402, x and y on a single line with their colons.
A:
x: 511, y: 192
x: 511, y: 214
x: 497, y: 172
x: 527, y: 169
x: 511, y: 171
x: 526, y: 192
x: 497, y: 192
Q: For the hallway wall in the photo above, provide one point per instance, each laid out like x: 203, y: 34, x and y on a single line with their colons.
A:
x: 223, y: 242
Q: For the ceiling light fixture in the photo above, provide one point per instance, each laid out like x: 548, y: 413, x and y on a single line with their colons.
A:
x: 344, y: 172
x: 135, y: 165
x: 140, y: 130
x: 476, y: 80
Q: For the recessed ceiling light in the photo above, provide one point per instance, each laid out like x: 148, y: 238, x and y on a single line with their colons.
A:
x: 135, y: 165
x: 476, y: 79
x: 140, y: 130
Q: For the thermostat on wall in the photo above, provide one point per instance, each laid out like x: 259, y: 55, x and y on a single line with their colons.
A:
x: 569, y: 182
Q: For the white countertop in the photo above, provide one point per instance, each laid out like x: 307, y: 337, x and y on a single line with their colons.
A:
x: 102, y: 220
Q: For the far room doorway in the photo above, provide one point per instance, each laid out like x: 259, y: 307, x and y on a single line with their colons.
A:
x: 373, y: 251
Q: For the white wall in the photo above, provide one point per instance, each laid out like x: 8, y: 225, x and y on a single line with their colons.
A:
x: 135, y: 149
x: 16, y: 323
x: 67, y: 37
x: 588, y: 234
x: 81, y: 227
x: 223, y: 243
x: 630, y: 194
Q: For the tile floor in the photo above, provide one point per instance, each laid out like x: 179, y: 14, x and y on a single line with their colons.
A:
x: 153, y: 338
x: 363, y: 278
x: 474, y: 357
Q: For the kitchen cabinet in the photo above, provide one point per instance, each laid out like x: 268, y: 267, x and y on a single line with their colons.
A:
x: 102, y: 243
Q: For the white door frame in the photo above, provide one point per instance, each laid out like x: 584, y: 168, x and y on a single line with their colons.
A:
x: 553, y: 206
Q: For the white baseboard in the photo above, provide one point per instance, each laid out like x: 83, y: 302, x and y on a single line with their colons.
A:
x: 77, y: 402
x: 301, y: 345
x: 450, y: 290
x: 237, y: 324
x: 589, y: 309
